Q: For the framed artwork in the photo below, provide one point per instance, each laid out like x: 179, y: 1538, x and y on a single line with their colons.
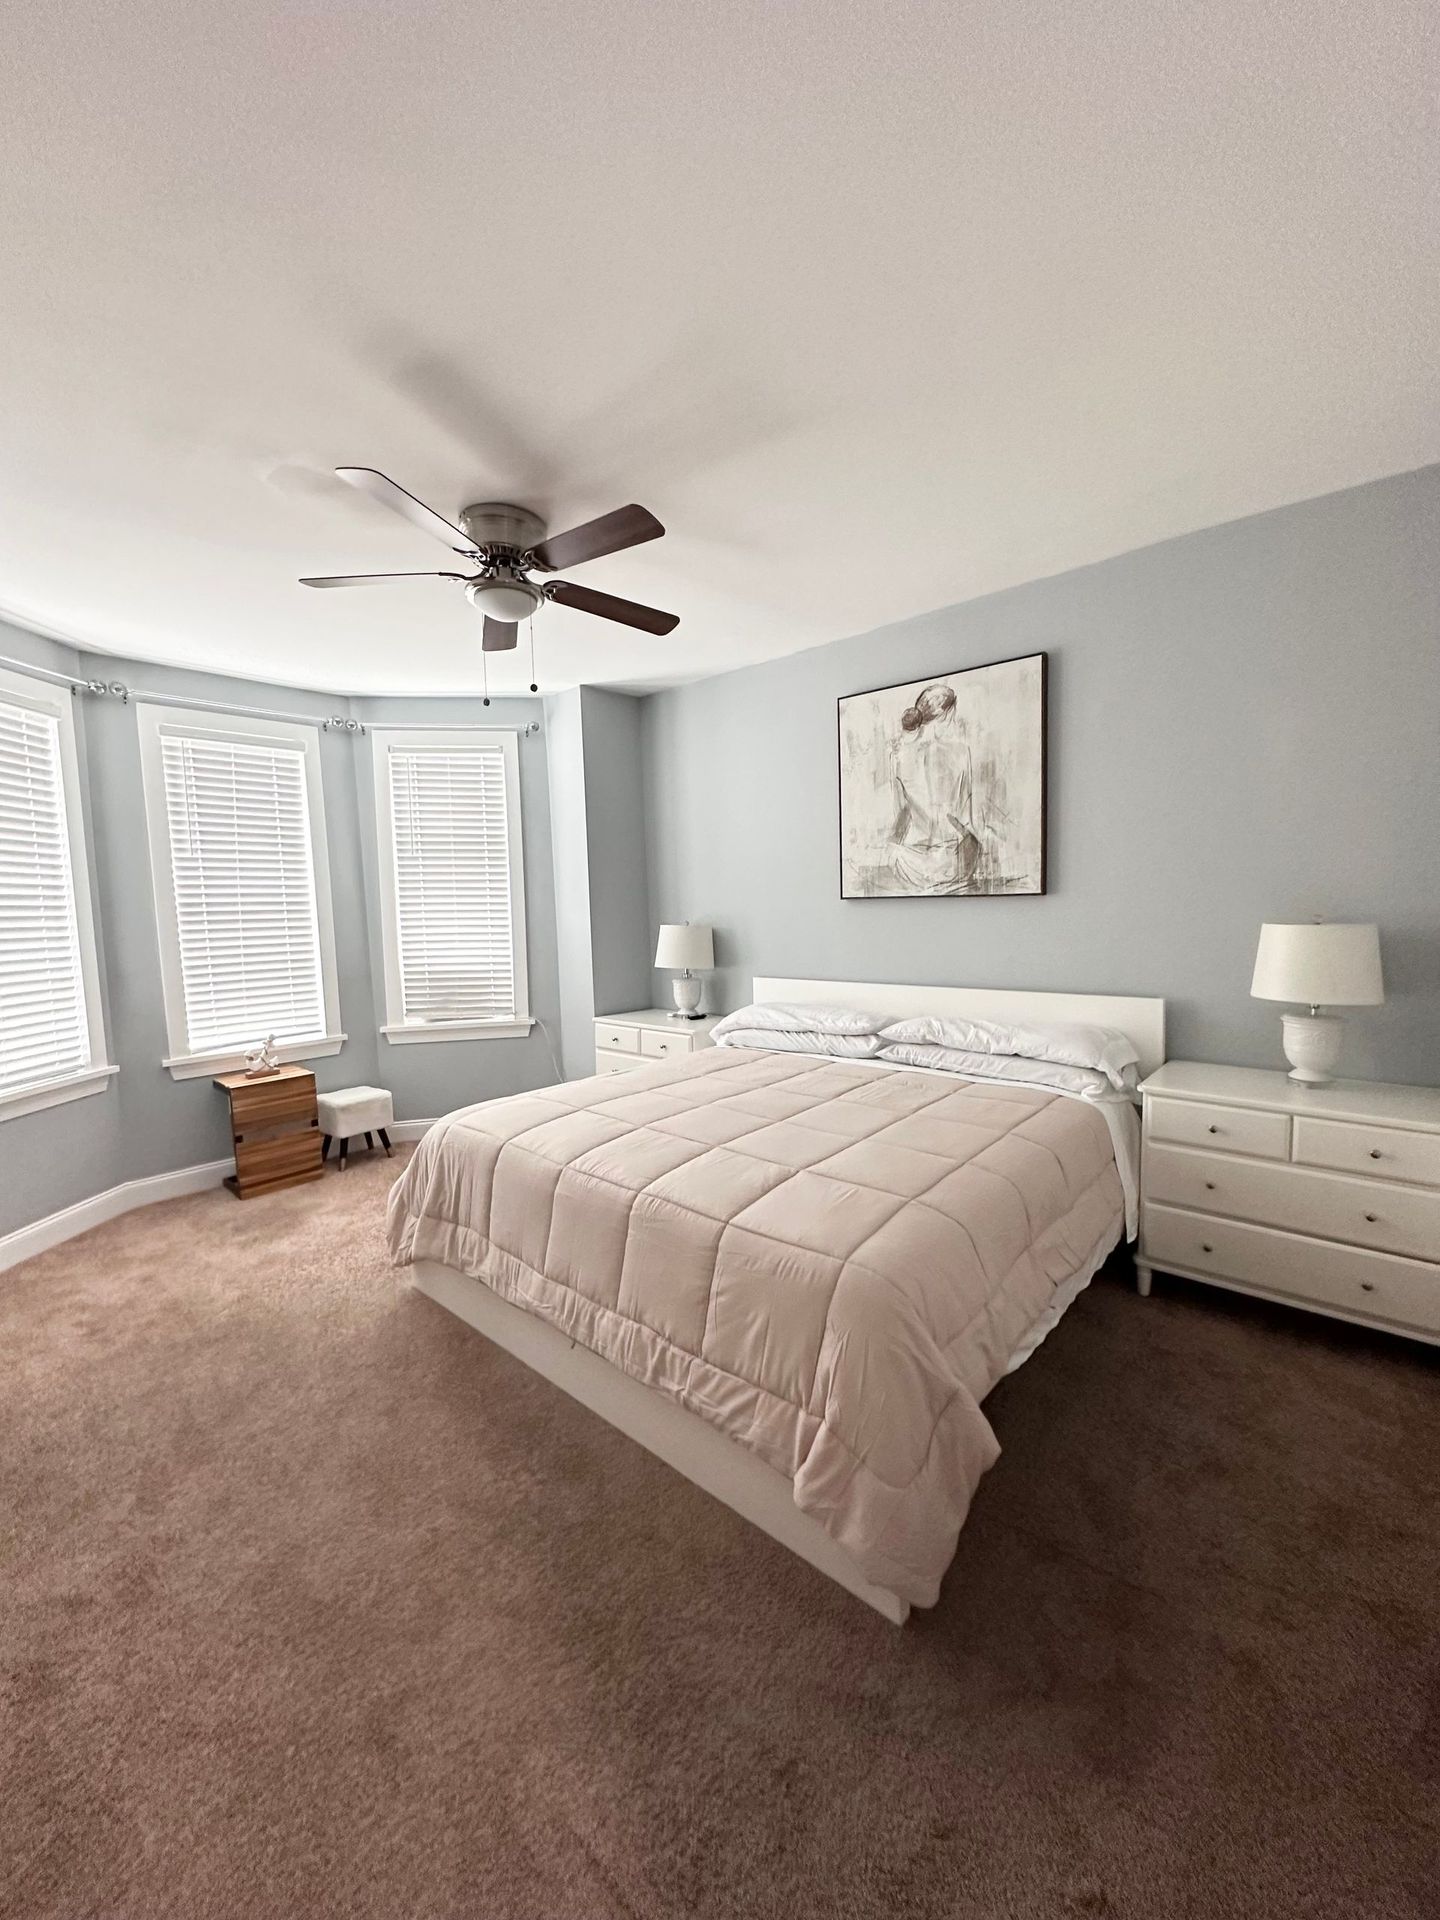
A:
x: 942, y: 785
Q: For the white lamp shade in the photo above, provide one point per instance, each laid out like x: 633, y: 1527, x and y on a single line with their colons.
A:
x: 687, y: 946
x: 1319, y: 966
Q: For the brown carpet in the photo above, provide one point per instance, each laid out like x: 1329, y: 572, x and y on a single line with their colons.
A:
x: 315, y: 1604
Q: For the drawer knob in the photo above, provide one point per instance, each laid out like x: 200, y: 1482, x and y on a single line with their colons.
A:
x: 1374, y: 1153
x: 1367, y: 1286
x: 1372, y: 1218
x: 1210, y: 1186
x: 1205, y: 1247
x: 1212, y: 1129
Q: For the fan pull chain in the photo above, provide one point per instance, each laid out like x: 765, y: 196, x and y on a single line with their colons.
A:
x: 534, y: 683
x: 485, y: 678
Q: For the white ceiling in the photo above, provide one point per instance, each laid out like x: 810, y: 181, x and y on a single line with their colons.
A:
x: 877, y: 307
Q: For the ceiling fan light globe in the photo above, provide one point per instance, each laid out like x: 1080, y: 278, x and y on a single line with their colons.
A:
x: 507, y: 600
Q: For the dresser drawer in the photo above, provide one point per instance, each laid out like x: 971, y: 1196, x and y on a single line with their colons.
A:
x: 281, y: 1161
x: 1386, y: 1153
x: 666, y: 1045
x: 268, y: 1103
x: 1191, y: 1123
x: 1374, y: 1286
x: 618, y: 1062
x: 613, y: 1039
x: 1328, y: 1206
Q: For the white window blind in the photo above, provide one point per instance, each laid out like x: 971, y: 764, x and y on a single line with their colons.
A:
x: 238, y: 819
x: 44, y: 1018
x: 454, y: 919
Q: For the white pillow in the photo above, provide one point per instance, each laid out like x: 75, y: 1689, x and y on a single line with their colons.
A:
x: 778, y: 1016
x: 1000, y: 1066
x: 1102, y: 1049
x: 844, y: 1046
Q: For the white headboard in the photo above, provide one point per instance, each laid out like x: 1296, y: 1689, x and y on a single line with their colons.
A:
x: 1143, y: 1021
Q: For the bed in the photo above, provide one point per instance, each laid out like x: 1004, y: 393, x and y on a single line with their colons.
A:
x: 793, y: 1278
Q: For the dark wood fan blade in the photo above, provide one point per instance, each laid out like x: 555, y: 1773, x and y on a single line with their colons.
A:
x: 629, y: 612
x: 499, y: 636
x: 369, y: 579
x: 625, y: 527
x: 381, y: 488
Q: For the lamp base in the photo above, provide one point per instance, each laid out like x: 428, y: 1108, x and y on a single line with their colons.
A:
x: 686, y: 989
x: 1312, y: 1046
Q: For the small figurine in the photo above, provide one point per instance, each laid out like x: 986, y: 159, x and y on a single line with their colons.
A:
x: 262, y: 1059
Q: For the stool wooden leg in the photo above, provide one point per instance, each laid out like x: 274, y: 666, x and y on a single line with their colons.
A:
x: 384, y: 1140
x: 324, y: 1149
x: 370, y: 1141
x: 344, y: 1153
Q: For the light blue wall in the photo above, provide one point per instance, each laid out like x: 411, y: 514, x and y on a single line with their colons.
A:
x: 435, y: 1077
x: 146, y: 1122
x: 621, y: 941
x: 52, y: 1159
x: 1243, y: 726
x: 167, y: 1123
x: 602, y: 918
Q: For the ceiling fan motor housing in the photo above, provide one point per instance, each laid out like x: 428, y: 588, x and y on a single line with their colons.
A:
x: 495, y: 523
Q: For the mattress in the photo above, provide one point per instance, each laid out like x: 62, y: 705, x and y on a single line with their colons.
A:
x: 831, y: 1262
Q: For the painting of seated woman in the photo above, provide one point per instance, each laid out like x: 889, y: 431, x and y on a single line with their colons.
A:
x: 942, y: 785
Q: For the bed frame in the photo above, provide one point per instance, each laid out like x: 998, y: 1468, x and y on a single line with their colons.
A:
x: 704, y: 1455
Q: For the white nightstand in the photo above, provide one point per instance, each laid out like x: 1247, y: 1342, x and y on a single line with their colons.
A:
x: 1325, y: 1197
x: 625, y: 1041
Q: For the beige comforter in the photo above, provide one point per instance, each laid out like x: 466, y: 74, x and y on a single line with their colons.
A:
x: 832, y: 1263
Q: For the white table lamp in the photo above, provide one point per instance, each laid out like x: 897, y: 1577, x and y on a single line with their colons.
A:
x: 1317, y: 966
x: 688, y: 950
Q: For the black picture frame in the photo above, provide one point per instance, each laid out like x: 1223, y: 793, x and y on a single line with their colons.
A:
x: 961, y: 890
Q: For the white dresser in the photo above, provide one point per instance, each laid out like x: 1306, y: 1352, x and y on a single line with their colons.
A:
x: 625, y: 1041
x: 1326, y: 1197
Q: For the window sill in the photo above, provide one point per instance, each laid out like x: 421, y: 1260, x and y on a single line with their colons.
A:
x: 458, y: 1030
x: 194, y: 1066
x: 55, y: 1092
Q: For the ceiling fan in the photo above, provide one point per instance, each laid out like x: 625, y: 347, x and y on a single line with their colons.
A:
x: 506, y: 544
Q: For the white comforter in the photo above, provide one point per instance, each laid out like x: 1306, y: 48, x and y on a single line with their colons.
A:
x: 831, y: 1262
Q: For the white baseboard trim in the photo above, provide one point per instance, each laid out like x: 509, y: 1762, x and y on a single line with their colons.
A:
x: 41, y: 1235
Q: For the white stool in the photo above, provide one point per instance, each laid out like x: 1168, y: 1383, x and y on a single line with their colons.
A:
x: 351, y: 1111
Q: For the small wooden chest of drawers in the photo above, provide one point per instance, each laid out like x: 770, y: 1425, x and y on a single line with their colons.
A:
x: 276, y: 1130
x: 624, y: 1042
x: 1328, y: 1197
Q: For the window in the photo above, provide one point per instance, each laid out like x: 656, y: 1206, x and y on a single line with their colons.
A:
x: 52, y: 1036
x: 447, y: 812
x: 242, y: 887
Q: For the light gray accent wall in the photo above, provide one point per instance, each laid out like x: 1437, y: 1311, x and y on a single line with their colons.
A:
x: 434, y: 1078
x: 621, y: 942
x: 1243, y: 726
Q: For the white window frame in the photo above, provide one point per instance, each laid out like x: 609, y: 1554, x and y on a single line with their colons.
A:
x: 154, y: 723
x: 19, y: 689
x: 395, y: 1029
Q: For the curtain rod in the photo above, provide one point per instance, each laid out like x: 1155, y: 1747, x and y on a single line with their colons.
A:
x: 335, y: 723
